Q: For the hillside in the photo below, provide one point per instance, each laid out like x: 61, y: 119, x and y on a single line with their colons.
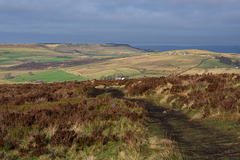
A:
x: 170, y: 105
x: 155, y: 64
x: 20, y: 60
x: 96, y: 49
x: 91, y: 49
x: 76, y: 120
x: 106, y: 61
x: 174, y: 117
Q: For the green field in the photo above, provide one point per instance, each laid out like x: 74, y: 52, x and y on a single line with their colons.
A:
x: 24, y: 50
x: 124, y: 61
x: 49, y: 76
x: 15, y: 56
x: 213, y: 63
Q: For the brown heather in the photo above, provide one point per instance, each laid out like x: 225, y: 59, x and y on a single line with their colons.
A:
x: 71, y: 120
x: 198, y: 92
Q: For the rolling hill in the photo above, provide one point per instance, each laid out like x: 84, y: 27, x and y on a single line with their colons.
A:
x: 107, y: 61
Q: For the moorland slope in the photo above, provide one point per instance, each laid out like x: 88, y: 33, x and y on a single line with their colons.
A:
x: 123, y: 119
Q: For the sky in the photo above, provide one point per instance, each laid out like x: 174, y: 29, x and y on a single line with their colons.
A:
x: 135, y: 22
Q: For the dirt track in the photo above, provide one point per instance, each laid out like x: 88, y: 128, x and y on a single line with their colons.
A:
x: 195, y: 140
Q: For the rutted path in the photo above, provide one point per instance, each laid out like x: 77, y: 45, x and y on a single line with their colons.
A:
x: 195, y: 140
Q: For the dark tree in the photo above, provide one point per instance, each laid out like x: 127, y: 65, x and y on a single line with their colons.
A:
x: 237, y: 63
x: 225, y: 60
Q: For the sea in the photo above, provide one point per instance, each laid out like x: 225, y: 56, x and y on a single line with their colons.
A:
x: 221, y: 49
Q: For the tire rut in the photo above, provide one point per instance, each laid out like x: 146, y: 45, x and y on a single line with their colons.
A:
x: 196, y: 141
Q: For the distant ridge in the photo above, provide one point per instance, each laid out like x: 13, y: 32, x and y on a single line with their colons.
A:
x: 101, y: 49
x: 93, y: 48
x: 221, y: 49
x: 22, y: 45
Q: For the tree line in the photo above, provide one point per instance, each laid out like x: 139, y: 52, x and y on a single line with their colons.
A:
x: 228, y: 61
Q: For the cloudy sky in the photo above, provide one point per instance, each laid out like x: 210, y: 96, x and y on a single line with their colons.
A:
x: 136, y: 22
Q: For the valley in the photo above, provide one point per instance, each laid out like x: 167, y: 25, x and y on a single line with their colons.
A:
x: 105, y: 61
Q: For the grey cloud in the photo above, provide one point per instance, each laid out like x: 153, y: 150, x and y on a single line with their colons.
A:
x: 133, y: 21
